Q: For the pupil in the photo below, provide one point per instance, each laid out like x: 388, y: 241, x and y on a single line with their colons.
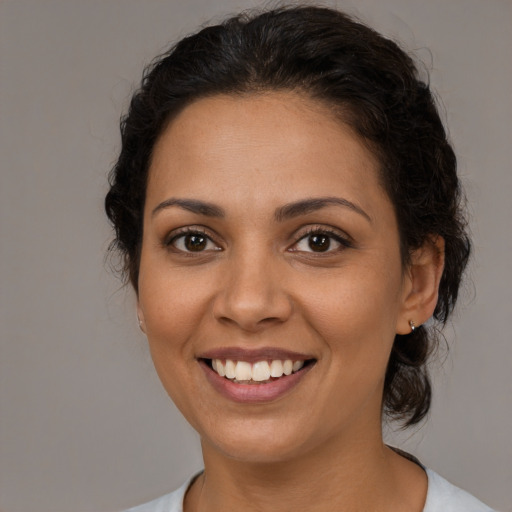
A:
x: 195, y: 242
x: 319, y: 243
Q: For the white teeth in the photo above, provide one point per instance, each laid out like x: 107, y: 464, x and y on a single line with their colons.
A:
x: 243, y: 371
x: 220, y: 368
x: 260, y: 371
x: 276, y: 368
x: 230, y: 369
x: 297, y: 365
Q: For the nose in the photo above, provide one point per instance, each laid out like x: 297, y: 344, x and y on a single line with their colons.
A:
x: 252, y: 295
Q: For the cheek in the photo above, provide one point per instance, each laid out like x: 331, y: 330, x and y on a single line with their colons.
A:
x: 175, y: 304
x: 173, y: 301
x: 356, y: 313
x: 172, y: 314
x: 365, y: 296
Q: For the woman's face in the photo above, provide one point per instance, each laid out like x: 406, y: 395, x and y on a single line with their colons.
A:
x: 267, y: 239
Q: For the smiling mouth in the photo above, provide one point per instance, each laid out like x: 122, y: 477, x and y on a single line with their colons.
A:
x: 259, y: 372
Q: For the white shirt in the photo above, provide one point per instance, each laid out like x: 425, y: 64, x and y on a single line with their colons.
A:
x: 442, y: 496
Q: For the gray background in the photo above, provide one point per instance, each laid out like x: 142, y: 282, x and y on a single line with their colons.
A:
x: 84, y: 424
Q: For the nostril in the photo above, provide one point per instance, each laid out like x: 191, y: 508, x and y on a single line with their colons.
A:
x: 249, y: 323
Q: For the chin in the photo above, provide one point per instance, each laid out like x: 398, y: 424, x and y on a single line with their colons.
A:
x: 256, y: 453
x: 259, y: 444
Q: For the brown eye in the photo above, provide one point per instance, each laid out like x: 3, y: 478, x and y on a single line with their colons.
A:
x: 319, y: 243
x: 195, y: 242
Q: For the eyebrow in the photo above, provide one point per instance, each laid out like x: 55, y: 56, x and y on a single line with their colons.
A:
x: 286, y: 212
x: 191, y: 205
x: 291, y: 210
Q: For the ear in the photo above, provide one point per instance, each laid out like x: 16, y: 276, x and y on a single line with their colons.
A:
x: 140, y: 318
x: 421, y: 285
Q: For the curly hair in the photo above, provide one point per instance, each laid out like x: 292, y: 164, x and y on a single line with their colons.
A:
x: 373, y: 86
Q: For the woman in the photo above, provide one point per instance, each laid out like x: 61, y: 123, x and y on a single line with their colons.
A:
x: 288, y: 208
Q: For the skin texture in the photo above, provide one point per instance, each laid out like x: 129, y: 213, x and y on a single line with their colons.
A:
x: 257, y: 283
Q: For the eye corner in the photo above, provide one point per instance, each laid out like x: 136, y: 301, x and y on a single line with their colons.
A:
x: 191, y: 241
x: 329, y: 241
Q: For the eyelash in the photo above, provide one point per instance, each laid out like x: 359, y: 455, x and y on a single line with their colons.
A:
x: 170, y: 241
x: 343, y: 241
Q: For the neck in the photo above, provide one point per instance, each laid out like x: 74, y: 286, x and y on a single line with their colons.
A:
x: 364, y: 475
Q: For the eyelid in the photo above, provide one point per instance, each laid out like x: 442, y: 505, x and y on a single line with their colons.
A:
x: 171, y: 237
x: 337, y: 234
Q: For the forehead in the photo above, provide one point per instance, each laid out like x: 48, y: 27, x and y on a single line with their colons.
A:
x: 261, y: 144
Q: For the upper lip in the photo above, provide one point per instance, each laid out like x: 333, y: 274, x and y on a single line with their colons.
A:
x: 253, y: 355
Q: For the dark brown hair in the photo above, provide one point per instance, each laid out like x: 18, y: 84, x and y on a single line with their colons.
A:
x: 373, y: 86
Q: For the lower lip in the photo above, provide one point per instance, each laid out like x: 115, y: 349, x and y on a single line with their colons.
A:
x: 254, y: 393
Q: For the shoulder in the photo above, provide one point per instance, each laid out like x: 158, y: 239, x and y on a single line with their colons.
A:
x: 172, y: 502
x: 442, y: 496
